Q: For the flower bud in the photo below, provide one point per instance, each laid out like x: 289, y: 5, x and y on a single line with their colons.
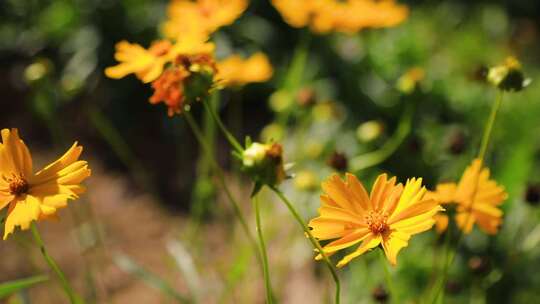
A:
x: 369, y: 131
x: 338, y: 161
x: 409, y: 81
x: 380, y: 295
x: 508, y: 76
x: 264, y: 163
x: 532, y: 195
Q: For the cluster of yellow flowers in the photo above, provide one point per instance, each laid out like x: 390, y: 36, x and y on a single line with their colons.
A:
x: 186, y: 55
x: 347, y: 16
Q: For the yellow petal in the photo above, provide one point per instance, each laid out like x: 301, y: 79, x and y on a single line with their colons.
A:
x: 14, y: 155
x: 336, y: 189
x: 349, y: 240
x: 325, y: 229
x: 22, y: 214
x: 393, y: 243
x: 370, y: 242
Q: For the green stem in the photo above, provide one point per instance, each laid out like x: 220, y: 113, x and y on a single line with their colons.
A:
x: 489, y: 125
x: 73, y: 298
x: 376, y: 157
x: 312, y: 239
x: 232, y: 140
x: 387, y: 276
x: 451, y: 254
x: 122, y: 149
x: 221, y: 177
x: 267, y: 282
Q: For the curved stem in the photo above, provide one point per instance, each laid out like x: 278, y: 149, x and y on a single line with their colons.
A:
x: 73, y: 298
x: 312, y: 239
x: 232, y: 140
x: 489, y: 125
x: 376, y: 157
x: 221, y: 177
x: 451, y: 254
x: 267, y: 282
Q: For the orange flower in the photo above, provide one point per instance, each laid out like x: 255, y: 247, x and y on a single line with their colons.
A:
x: 193, y: 74
x: 148, y: 64
x: 201, y: 16
x: 348, y: 16
x: 235, y: 71
x: 389, y: 216
x: 477, y: 198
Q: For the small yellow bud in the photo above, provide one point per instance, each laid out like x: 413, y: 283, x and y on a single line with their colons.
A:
x: 369, y: 131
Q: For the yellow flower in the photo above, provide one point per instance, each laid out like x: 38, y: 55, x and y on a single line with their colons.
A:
x: 477, y: 198
x: 297, y: 13
x: 444, y: 194
x: 201, y: 16
x: 148, y: 64
x: 389, y: 216
x: 349, y: 16
x: 235, y: 71
x: 36, y: 196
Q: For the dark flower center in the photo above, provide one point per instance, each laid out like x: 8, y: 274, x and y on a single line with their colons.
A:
x: 376, y: 222
x: 17, y: 184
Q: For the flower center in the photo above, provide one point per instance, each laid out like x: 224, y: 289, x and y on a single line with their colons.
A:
x: 17, y: 184
x: 376, y: 222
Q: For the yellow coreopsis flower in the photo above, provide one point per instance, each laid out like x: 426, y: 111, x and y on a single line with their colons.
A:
x: 201, y: 16
x: 33, y: 196
x: 389, y: 216
x: 477, y: 198
x: 148, y: 64
x: 235, y: 71
x: 349, y: 16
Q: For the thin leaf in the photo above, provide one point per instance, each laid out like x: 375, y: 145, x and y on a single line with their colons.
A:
x: 128, y: 265
x: 9, y: 288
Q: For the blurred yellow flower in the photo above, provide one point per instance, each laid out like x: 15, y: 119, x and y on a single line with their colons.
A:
x: 348, y: 16
x: 444, y: 194
x: 201, y: 16
x: 235, y: 71
x: 30, y: 196
x: 408, y: 82
x: 148, y: 64
x: 389, y: 216
x: 477, y: 198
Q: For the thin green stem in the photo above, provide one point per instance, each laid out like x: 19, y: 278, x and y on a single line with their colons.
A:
x: 232, y: 140
x: 489, y: 125
x: 121, y: 148
x: 387, y: 275
x: 376, y: 157
x: 221, y: 177
x: 264, y: 256
x: 73, y: 298
x: 451, y: 254
x: 312, y: 239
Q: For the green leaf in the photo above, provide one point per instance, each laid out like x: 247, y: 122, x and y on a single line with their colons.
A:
x: 9, y: 288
